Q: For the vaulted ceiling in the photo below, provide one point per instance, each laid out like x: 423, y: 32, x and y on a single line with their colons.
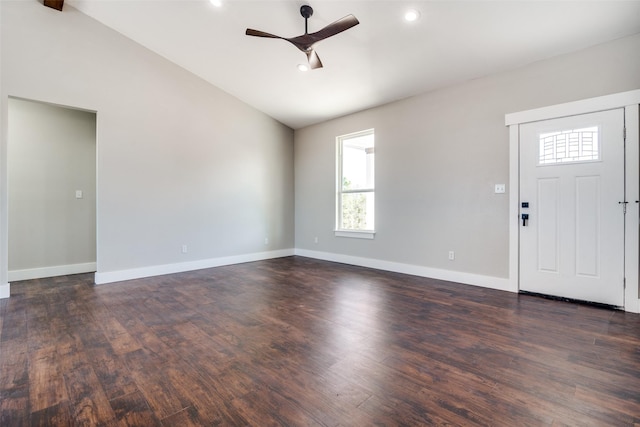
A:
x: 383, y: 59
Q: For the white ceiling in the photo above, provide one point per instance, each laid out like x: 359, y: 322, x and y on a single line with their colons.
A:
x: 381, y: 60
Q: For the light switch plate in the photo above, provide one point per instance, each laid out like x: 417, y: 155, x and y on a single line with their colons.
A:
x: 78, y: 194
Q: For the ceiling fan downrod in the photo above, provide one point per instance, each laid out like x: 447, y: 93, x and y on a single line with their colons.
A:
x: 306, y: 11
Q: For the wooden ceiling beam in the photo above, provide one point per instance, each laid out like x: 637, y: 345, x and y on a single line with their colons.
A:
x: 55, y: 4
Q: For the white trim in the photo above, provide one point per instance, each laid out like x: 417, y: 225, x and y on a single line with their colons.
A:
x: 355, y: 234
x: 356, y: 134
x: 627, y: 100
x: 339, y: 178
x: 514, y: 208
x: 498, y: 283
x: 159, y: 270
x: 632, y: 226
x: 591, y: 105
x: 57, y: 270
x: 5, y: 290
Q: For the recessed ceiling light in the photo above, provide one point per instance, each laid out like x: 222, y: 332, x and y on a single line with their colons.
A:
x: 216, y: 3
x: 303, y: 67
x: 411, y: 15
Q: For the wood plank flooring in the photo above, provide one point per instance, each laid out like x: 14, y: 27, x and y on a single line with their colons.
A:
x: 301, y: 342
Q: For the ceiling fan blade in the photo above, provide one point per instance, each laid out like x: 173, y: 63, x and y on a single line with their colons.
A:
x: 257, y: 33
x: 303, y: 42
x: 339, y: 26
x: 314, y: 59
x: 306, y: 41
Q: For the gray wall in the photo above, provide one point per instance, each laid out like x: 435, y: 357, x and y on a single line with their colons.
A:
x: 438, y: 157
x: 51, y: 154
x: 179, y: 161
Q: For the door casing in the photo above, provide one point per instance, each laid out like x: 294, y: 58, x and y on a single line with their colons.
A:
x: 630, y: 101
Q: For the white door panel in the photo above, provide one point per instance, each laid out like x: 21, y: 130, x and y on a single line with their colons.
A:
x: 572, y: 176
x: 548, y: 201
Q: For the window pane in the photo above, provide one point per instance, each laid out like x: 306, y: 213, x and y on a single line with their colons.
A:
x: 357, y: 211
x: 358, y: 163
x: 573, y: 145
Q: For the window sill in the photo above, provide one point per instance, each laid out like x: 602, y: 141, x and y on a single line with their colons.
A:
x: 356, y: 234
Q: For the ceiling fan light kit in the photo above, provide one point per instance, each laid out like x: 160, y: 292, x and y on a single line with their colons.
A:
x: 306, y: 42
x: 411, y: 15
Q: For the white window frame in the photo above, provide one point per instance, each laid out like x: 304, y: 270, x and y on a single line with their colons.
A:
x: 340, y: 232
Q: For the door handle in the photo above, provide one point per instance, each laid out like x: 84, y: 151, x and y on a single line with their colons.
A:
x: 525, y: 218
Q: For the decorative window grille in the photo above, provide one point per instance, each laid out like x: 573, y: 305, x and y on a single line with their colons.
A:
x: 567, y: 146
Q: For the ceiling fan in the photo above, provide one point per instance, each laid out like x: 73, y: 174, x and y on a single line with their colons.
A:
x: 306, y: 42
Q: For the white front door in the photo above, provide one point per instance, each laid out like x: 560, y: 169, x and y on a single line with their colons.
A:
x: 572, y: 178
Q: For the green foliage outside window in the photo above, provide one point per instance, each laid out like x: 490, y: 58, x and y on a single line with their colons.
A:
x: 354, y: 209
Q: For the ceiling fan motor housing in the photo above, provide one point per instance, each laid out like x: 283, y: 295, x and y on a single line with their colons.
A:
x: 306, y: 11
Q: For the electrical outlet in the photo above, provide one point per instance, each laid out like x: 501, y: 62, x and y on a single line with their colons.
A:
x: 452, y: 255
x: 184, y: 249
x: 266, y: 240
x: 315, y: 239
x: 500, y: 188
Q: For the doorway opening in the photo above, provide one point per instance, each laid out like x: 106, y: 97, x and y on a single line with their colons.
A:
x: 51, y: 164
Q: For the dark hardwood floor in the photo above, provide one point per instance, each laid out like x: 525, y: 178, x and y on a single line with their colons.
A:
x: 298, y: 342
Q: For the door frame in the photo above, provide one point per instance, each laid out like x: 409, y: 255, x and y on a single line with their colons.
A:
x: 630, y: 102
x: 65, y: 269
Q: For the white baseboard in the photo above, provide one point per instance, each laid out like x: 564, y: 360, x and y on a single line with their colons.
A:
x: 58, y: 270
x: 159, y: 270
x: 5, y: 290
x: 499, y: 283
